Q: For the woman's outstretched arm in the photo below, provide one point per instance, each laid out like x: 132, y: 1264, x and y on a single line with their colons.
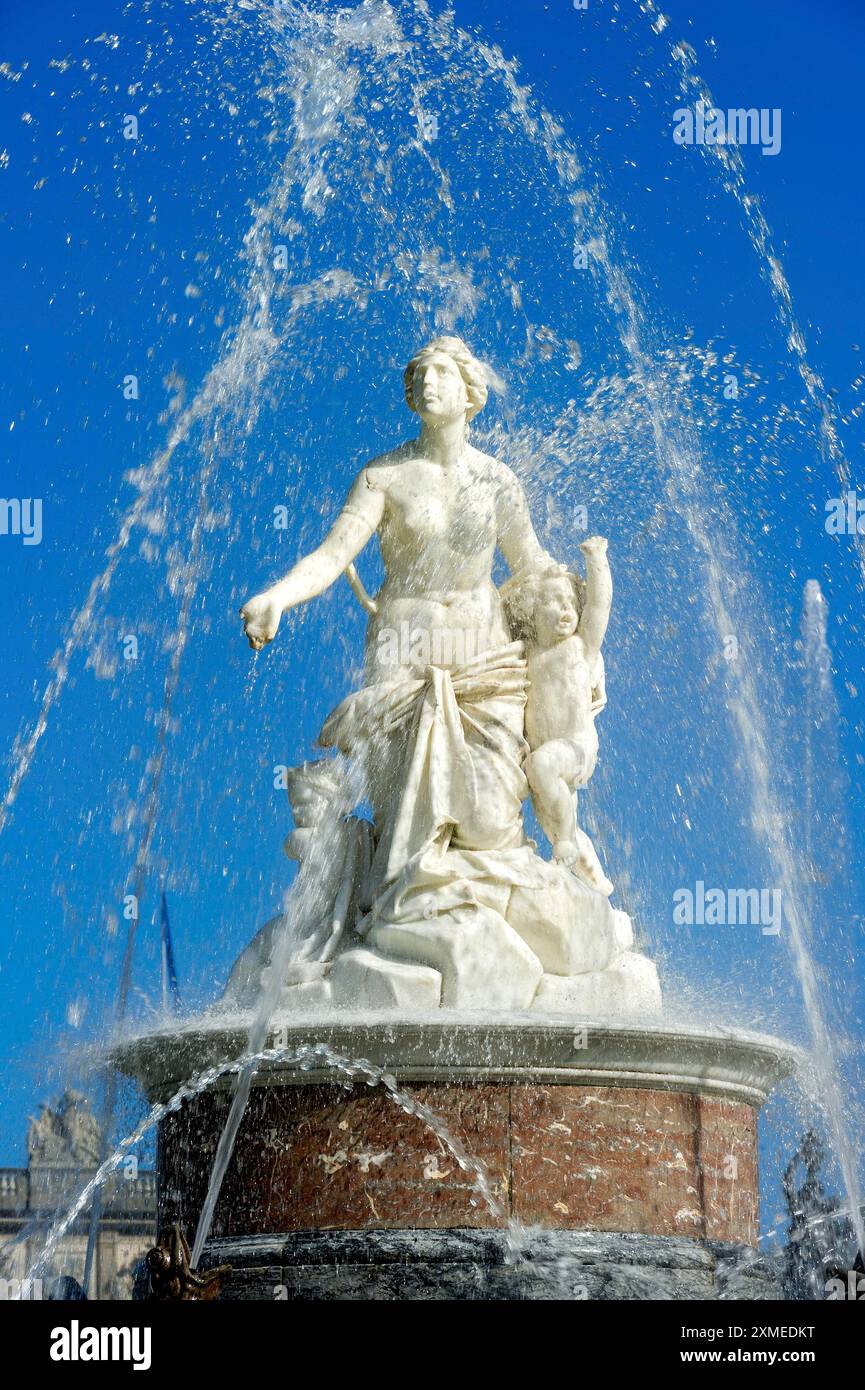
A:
x: 316, y: 572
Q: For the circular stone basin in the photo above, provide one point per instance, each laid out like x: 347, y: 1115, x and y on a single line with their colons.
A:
x: 578, y: 1127
x: 736, y: 1065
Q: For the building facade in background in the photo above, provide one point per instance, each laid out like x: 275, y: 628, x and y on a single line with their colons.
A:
x: 63, y: 1146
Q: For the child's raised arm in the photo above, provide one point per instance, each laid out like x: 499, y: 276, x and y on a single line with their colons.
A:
x: 599, y: 594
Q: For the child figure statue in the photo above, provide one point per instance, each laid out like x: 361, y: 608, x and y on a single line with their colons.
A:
x: 563, y: 619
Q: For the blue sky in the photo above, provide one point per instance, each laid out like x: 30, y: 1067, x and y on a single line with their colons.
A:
x: 125, y: 257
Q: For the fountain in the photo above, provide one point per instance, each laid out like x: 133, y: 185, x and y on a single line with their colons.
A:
x: 466, y: 1058
x: 436, y: 937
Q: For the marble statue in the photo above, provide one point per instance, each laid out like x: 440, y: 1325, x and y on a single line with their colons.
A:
x: 337, y: 850
x: 564, y: 621
x: 67, y: 1136
x: 474, y: 699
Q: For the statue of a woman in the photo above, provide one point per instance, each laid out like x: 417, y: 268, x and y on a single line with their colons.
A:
x: 440, y: 508
x: 455, y: 893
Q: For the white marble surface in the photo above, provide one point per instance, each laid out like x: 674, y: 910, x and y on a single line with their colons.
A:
x: 442, y: 1045
x: 474, y: 700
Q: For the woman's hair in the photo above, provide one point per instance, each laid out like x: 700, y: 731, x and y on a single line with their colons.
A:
x: 473, y: 372
x: 520, y: 594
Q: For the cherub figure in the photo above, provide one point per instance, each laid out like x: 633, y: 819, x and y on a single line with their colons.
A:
x: 563, y: 620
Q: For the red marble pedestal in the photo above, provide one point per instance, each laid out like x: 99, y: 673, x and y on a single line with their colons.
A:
x: 564, y: 1157
x: 625, y: 1156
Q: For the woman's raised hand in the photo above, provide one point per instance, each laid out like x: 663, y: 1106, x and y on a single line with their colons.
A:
x: 261, y: 616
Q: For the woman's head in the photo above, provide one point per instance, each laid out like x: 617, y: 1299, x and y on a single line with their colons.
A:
x: 444, y: 380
